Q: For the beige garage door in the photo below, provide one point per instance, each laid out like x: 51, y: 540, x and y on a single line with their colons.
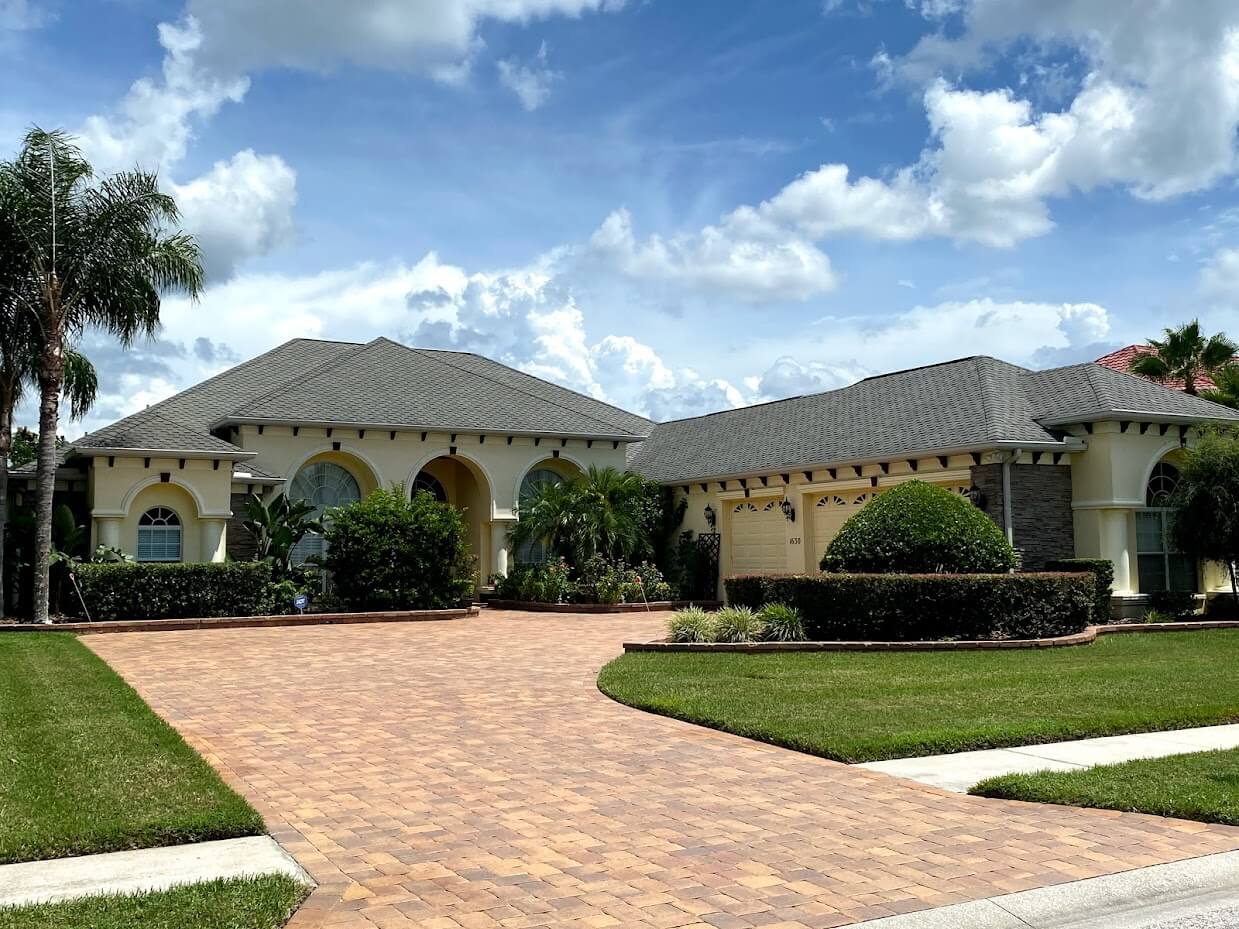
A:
x: 758, y: 539
x: 831, y: 511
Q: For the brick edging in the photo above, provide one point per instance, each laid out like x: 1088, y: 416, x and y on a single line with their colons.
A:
x: 244, y: 622
x: 530, y: 606
x: 1086, y: 637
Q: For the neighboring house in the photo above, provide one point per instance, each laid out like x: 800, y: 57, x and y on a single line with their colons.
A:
x: 1076, y: 460
x: 1121, y: 359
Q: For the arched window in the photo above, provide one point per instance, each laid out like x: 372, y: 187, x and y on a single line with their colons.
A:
x: 326, y: 485
x: 535, y: 551
x: 425, y: 481
x: 159, y: 535
x: 1160, y: 567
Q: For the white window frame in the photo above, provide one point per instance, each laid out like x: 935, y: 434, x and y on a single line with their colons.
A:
x: 156, y: 526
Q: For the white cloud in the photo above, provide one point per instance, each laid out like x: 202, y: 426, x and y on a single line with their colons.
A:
x: 21, y: 15
x: 240, y: 208
x: 530, y: 82
x: 747, y: 260
x: 1219, y: 278
x: 435, y: 37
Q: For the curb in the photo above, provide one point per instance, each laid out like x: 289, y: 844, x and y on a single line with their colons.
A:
x: 244, y: 622
x: 529, y: 606
x: 1111, y: 902
x: 145, y: 870
x: 1087, y: 637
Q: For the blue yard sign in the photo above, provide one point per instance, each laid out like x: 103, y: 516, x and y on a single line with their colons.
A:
x: 301, y: 601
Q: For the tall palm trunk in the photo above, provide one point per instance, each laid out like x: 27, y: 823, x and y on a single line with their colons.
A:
x: 51, y: 378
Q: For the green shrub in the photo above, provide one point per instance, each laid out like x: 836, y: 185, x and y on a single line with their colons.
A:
x: 782, y: 623
x: 918, y: 528
x: 737, y: 624
x: 1102, y: 570
x: 1221, y: 606
x: 122, y: 591
x: 691, y: 625
x: 549, y: 582
x: 604, y: 581
x: 389, y: 552
x: 1176, y: 604
x: 905, y: 607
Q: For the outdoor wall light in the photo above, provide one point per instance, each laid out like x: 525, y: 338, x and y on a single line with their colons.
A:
x: 710, y: 516
x: 977, y: 496
x: 788, y: 510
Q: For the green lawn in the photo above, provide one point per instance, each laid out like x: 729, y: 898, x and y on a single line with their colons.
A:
x: 1202, y: 786
x: 86, y: 766
x: 854, y: 706
x: 241, y: 903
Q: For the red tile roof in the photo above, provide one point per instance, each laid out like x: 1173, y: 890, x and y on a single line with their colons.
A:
x: 1121, y: 360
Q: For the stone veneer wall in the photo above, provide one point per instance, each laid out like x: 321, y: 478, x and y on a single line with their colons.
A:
x: 1041, y: 509
x: 240, y: 544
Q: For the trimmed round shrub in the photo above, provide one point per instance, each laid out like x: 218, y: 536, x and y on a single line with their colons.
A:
x: 691, y: 625
x: 737, y: 624
x: 781, y: 623
x: 918, y: 528
x: 388, y: 552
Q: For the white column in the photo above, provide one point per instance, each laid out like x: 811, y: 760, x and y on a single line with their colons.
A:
x: 107, y: 531
x: 213, y: 539
x: 499, y: 545
x: 1115, y: 546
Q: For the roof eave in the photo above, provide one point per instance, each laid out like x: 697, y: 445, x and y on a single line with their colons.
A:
x: 415, y: 427
x: 1068, y: 445
x: 97, y: 451
x: 1107, y: 416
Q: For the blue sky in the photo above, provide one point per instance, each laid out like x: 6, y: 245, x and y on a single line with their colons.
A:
x: 674, y: 206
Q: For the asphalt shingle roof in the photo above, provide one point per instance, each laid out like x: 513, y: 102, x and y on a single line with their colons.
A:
x: 971, y: 403
x: 379, y: 382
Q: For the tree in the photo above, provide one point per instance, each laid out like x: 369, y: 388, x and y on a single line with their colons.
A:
x: 1226, y: 389
x: 1204, y: 519
x: 604, y: 512
x: 1185, y: 354
x: 277, y: 527
x: 88, y: 253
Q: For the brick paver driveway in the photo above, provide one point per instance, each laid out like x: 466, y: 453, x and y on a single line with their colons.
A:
x: 469, y: 774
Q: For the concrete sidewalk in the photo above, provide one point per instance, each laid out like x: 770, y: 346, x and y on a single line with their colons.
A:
x: 144, y: 870
x: 960, y: 771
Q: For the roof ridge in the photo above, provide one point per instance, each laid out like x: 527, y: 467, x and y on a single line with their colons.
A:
x: 430, y: 353
x: 303, y: 376
x: 985, y: 383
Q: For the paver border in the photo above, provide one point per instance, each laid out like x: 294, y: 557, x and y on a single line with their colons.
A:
x: 244, y: 622
x: 1087, y: 637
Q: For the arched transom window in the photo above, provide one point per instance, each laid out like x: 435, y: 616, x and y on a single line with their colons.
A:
x: 535, y: 552
x: 325, y: 485
x: 159, y: 535
x: 1160, y: 567
x: 425, y: 482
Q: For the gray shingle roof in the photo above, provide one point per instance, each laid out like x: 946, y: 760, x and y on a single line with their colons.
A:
x: 971, y: 403
x: 384, y: 383
x: 379, y: 382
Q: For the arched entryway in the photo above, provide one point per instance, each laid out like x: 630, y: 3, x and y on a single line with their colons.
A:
x: 456, y: 480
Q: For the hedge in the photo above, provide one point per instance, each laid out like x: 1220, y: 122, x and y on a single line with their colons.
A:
x: 171, y: 591
x: 1102, y: 570
x: 910, y: 607
x: 919, y: 528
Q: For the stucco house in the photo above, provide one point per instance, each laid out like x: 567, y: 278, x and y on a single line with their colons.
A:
x: 1077, y: 460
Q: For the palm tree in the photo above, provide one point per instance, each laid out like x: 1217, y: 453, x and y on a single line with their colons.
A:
x: 1184, y: 355
x: 1226, y: 386
x: 91, y: 253
x: 604, y: 512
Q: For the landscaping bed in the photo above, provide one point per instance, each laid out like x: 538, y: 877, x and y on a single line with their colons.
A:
x: 244, y: 622
x: 853, y: 707
x: 86, y: 766
x: 1202, y: 786
x: 538, y: 607
x: 239, y: 903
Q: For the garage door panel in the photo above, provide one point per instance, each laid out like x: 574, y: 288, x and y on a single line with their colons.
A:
x: 831, y: 511
x: 758, y: 543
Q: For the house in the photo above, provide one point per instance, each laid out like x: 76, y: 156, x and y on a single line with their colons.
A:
x: 1074, y: 460
x: 1121, y: 359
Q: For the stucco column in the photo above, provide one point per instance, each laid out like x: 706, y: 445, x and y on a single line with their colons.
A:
x: 107, y: 531
x: 212, y: 536
x: 1115, y: 545
x: 499, y: 545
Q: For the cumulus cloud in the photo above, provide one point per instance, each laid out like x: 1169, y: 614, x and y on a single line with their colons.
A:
x: 240, y: 208
x: 1219, y: 278
x: 531, y: 82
